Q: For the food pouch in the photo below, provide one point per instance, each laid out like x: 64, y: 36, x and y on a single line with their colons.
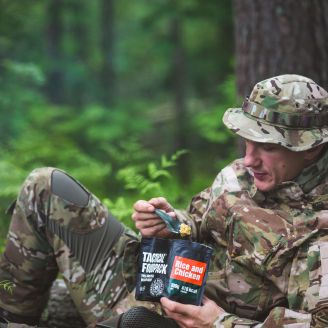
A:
x: 174, y: 268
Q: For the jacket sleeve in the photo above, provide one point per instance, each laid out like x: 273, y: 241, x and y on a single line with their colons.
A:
x: 194, y: 214
x: 225, y: 181
x: 308, y: 290
x: 277, y: 318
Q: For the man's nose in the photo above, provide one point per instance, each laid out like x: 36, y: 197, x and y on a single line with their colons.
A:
x: 251, y: 158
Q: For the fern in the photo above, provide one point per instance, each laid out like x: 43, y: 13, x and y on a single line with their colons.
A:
x: 147, y: 179
x: 8, y: 286
x: 143, y: 181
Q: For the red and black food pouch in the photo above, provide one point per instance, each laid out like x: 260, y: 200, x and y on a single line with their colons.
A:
x: 174, y: 268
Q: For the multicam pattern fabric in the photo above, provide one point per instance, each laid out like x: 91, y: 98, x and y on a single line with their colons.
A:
x: 290, y: 110
x: 270, y: 264
x: 18, y: 325
x: 34, y: 255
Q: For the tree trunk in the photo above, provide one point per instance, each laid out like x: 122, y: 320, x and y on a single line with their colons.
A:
x: 107, y: 72
x: 55, y: 77
x: 61, y: 311
x: 274, y: 37
x: 179, y: 94
x: 80, y: 88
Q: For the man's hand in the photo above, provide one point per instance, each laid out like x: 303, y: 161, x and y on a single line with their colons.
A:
x: 147, y: 222
x: 192, y: 316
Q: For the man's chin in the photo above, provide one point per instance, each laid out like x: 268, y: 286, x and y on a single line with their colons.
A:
x: 264, y: 186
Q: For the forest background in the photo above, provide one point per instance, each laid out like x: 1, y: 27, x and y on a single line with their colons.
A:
x: 126, y: 96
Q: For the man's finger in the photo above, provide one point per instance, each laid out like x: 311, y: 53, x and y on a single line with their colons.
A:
x: 177, y: 307
x: 154, y: 231
x: 143, y: 206
x: 161, y: 203
x: 144, y: 216
x: 143, y: 224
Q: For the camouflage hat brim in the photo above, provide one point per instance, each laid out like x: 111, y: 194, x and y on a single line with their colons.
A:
x: 257, y: 130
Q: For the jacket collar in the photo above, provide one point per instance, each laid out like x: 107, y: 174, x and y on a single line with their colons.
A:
x: 312, y: 175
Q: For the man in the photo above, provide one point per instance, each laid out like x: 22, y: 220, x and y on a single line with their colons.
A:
x: 265, y: 215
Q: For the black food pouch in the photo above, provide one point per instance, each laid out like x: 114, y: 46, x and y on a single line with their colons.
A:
x: 174, y: 268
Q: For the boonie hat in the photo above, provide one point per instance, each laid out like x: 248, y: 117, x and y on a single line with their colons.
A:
x: 289, y: 110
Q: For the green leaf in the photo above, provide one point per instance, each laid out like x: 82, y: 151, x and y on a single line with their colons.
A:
x: 155, y: 173
x: 8, y: 286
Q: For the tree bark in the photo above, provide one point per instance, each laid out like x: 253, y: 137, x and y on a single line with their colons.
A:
x: 54, y: 32
x: 179, y: 93
x: 274, y: 37
x: 107, y: 72
x: 80, y: 88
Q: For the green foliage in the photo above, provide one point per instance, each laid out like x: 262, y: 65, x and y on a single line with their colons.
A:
x: 148, y: 183
x: 114, y: 150
x: 209, y: 122
x: 7, y: 286
x: 91, y: 146
x: 19, y: 89
x: 144, y: 181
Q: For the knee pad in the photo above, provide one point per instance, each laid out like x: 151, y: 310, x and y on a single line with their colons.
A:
x: 92, y: 247
x: 68, y: 189
x: 139, y: 317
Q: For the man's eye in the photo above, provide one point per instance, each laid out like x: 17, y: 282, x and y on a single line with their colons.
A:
x: 269, y: 147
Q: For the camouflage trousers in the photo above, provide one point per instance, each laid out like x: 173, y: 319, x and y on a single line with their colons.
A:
x: 51, y: 234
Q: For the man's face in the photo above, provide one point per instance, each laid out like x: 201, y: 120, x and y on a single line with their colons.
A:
x: 272, y: 164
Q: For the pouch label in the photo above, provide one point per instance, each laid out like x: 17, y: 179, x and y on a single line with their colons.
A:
x: 173, y: 268
x: 154, y: 263
x: 188, y: 270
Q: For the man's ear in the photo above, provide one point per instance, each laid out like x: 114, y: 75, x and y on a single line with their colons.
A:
x: 313, y: 154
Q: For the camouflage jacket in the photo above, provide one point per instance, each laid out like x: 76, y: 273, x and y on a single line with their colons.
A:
x: 270, y: 264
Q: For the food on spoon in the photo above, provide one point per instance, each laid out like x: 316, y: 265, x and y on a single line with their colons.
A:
x: 185, y: 230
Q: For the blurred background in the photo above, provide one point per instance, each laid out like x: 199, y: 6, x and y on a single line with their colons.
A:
x: 127, y: 96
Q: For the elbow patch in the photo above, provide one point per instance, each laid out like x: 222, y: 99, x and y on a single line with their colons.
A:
x: 68, y: 189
